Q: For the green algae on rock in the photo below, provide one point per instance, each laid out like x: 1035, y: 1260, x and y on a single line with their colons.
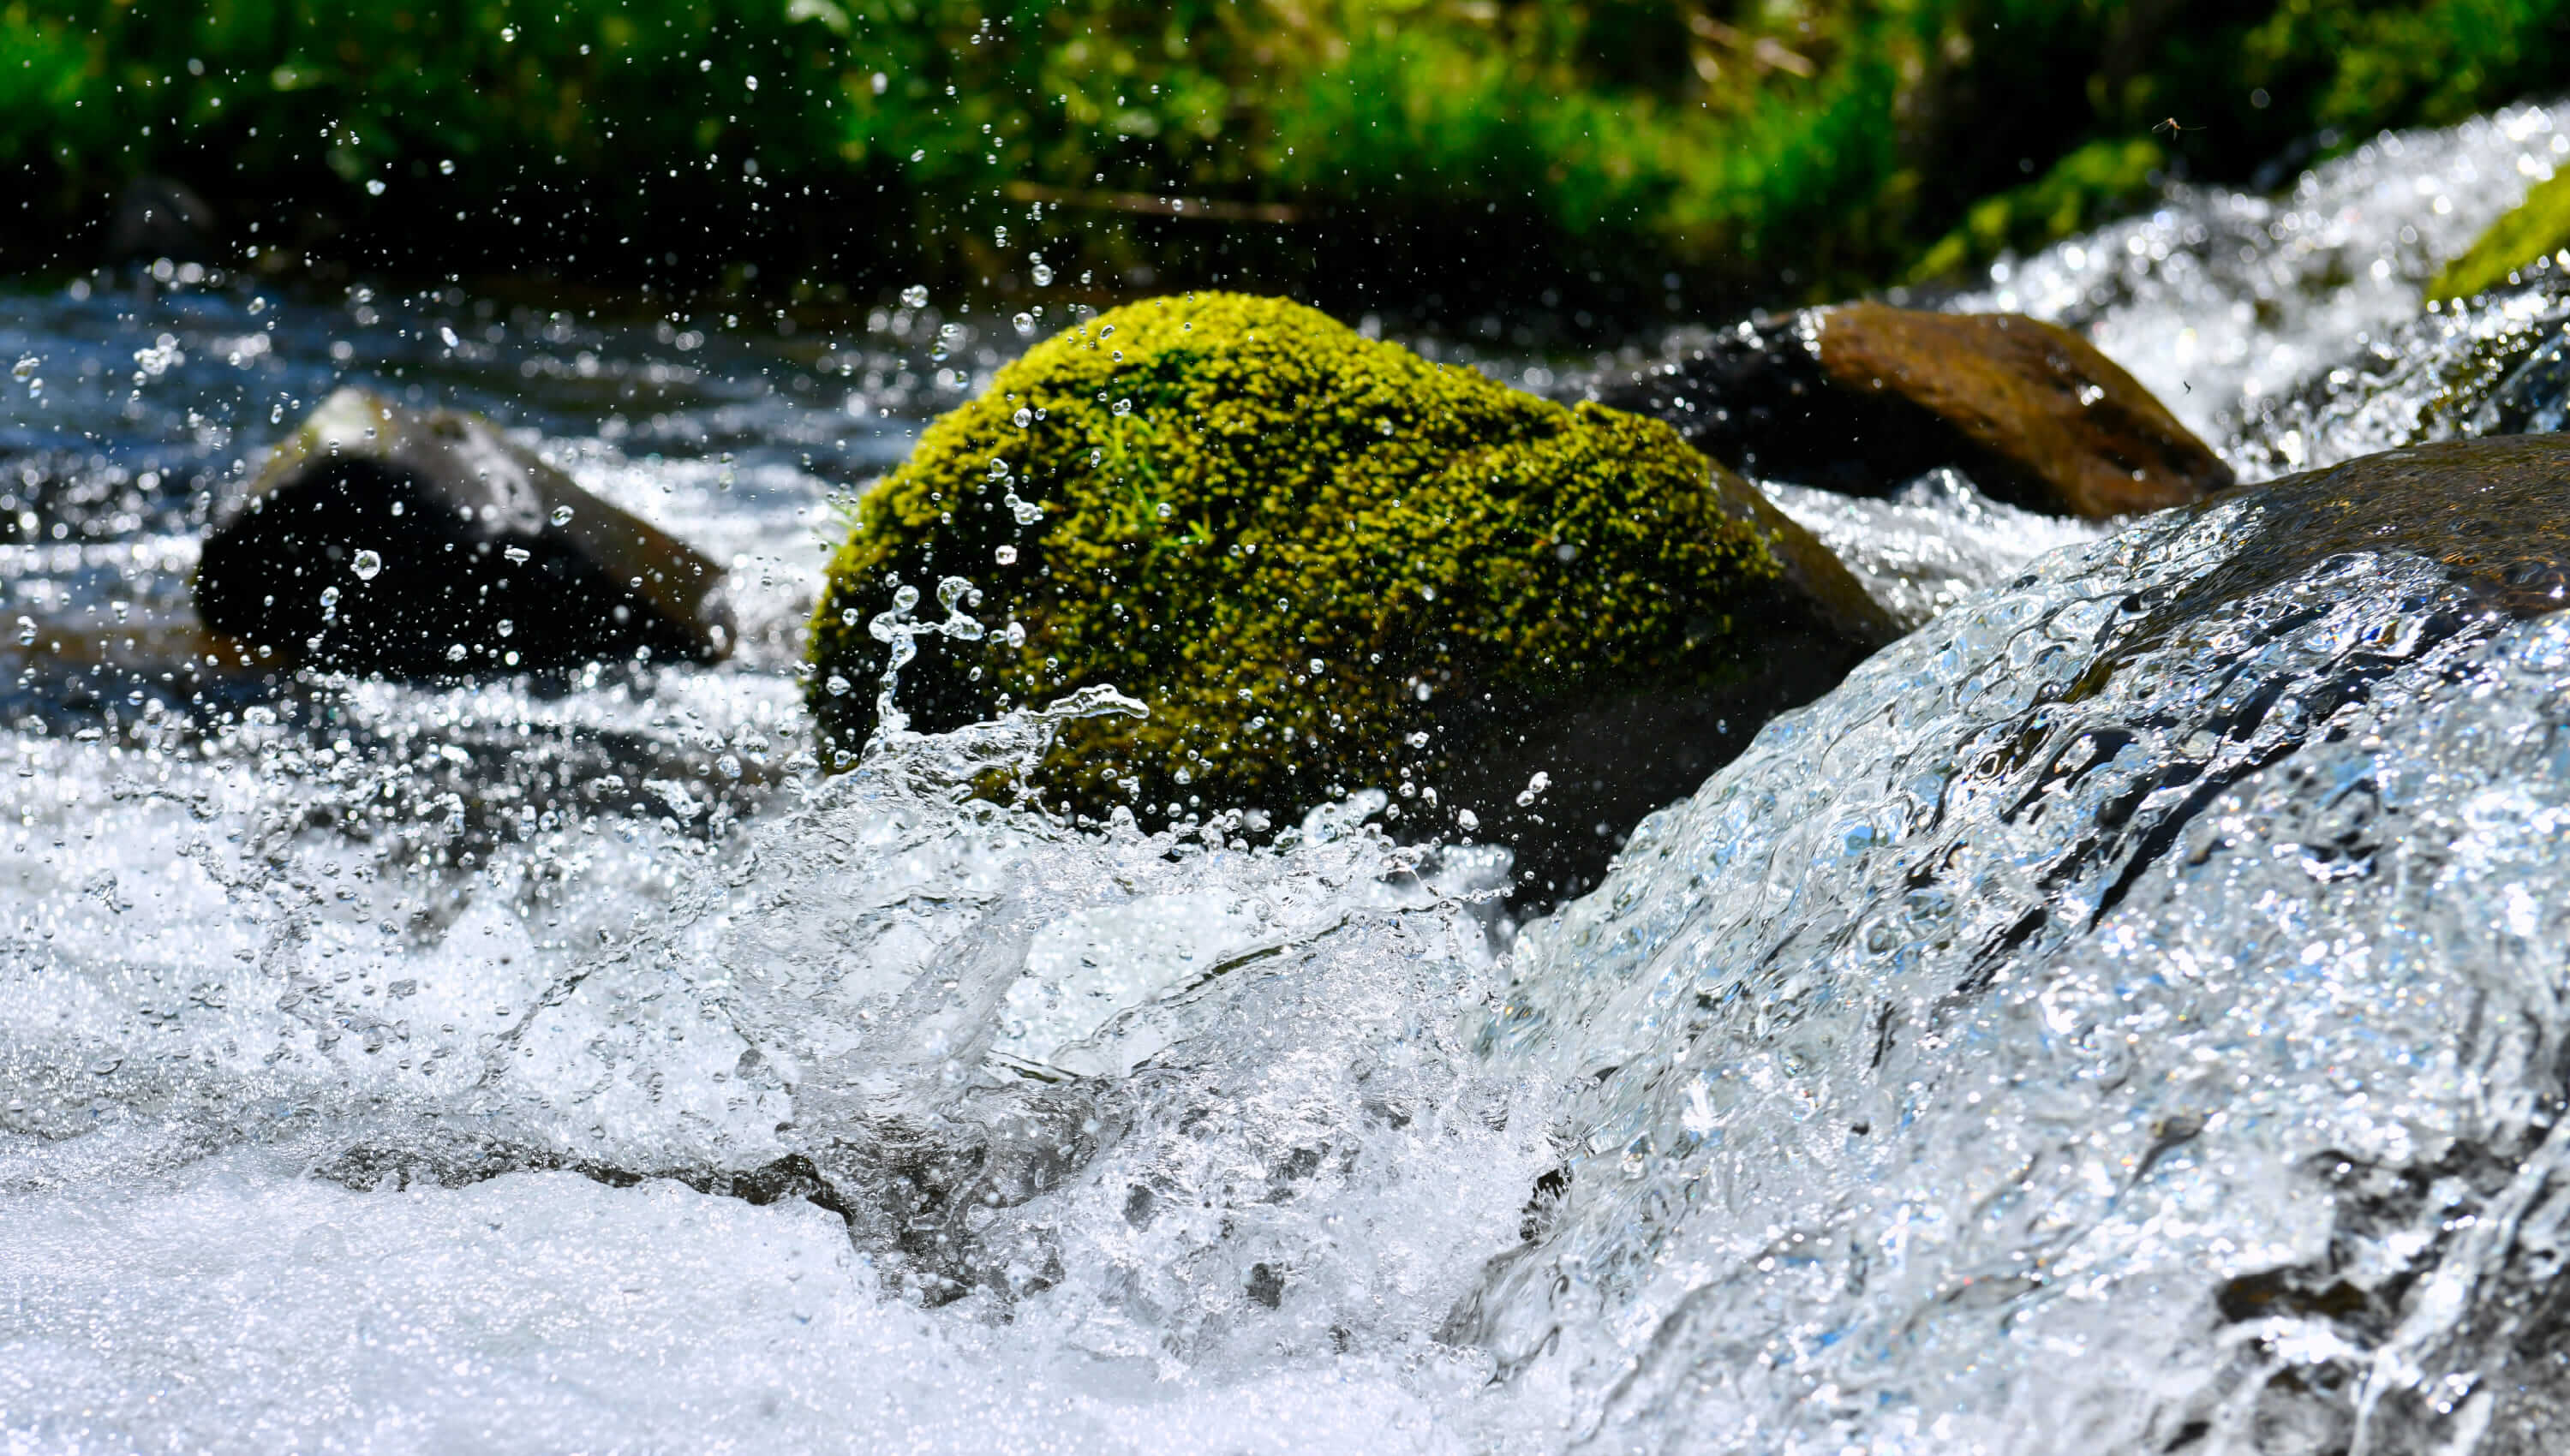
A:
x: 2535, y: 228
x: 1325, y: 562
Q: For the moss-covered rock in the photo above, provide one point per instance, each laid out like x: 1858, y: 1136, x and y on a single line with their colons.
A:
x: 2537, y: 228
x: 1324, y: 562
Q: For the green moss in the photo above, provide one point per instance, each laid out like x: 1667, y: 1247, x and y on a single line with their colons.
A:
x: 2539, y: 225
x: 1298, y: 545
x: 2090, y: 186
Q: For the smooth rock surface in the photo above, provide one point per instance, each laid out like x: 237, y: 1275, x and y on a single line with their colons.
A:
x: 1861, y: 397
x: 422, y: 544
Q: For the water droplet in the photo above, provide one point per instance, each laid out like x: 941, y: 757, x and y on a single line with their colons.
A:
x: 561, y: 516
x: 507, y: 627
x: 916, y: 295
x: 1025, y: 324
x: 837, y: 685
x: 1007, y: 556
x: 366, y: 565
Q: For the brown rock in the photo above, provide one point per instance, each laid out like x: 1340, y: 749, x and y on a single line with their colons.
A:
x: 1863, y: 397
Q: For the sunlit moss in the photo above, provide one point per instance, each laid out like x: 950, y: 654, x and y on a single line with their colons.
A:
x: 1298, y: 545
x: 2539, y: 227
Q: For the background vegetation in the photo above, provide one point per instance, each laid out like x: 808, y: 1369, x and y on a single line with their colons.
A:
x: 1641, y: 152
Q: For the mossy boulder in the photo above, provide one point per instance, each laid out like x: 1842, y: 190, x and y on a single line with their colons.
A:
x: 2535, y: 228
x: 1327, y: 564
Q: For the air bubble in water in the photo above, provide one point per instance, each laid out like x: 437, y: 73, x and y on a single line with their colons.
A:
x: 1007, y: 556
x: 26, y: 631
x: 561, y: 516
x: 27, y: 366
x: 507, y: 627
x: 1466, y: 820
x: 330, y: 604
x: 455, y: 654
x: 1041, y: 275
x: 915, y: 296
x: 1023, y: 417
x: 366, y: 565
x: 1316, y: 666
x: 1123, y: 407
x: 837, y: 685
x: 848, y: 619
x: 1025, y: 323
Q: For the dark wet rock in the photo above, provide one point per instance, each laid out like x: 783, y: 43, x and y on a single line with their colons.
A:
x: 422, y: 544
x: 1861, y: 397
x: 2493, y: 513
x: 159, y: 217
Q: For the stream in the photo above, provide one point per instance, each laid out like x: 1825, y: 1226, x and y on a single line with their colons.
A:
x: 2073, y: 1033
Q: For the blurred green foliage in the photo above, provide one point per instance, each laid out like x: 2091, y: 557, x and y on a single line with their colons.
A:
x: 1783, y: 146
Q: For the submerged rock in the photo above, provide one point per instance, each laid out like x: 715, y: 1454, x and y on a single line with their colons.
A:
x: 1328, y: 565
x: 2136, y: 864
x: 422, y: 544
x: 1861, y: 397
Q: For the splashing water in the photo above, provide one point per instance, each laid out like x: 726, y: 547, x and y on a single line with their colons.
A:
x: 2219, y: 300
x: 2123, y: 1017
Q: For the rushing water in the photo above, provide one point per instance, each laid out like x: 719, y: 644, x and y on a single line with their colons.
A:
x: 2086, y: 1029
